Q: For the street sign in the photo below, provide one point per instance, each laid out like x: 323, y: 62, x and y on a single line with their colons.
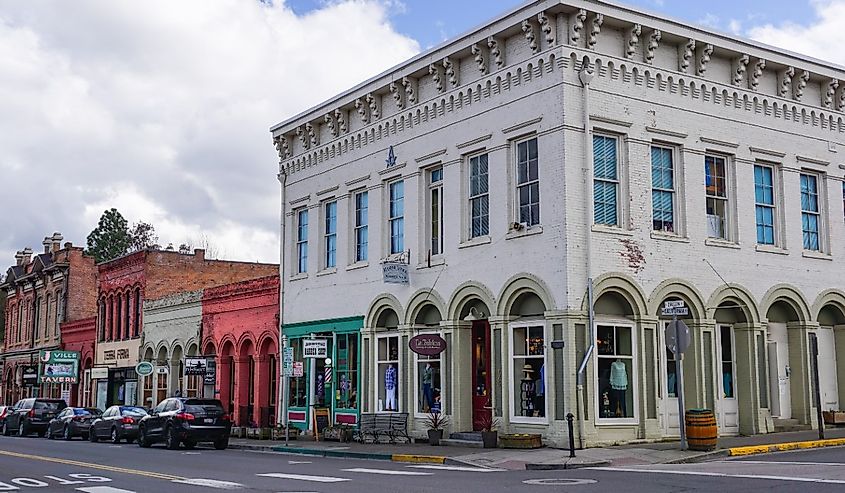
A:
x: 673, y: 304
x: 143, y: 369
x: 674, y: 312
x: 298, y: 369
x: 287, y: 362
x: 677, y: 336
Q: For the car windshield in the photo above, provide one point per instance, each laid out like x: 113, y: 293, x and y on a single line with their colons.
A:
x: 133, y: 411
x: 79, y: 411
x: 49, y: 405
x: 203, y: 406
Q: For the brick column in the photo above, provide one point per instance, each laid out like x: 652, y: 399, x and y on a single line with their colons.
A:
x: 224, y: 364
x: 262, y: 386
x: 241, y: 388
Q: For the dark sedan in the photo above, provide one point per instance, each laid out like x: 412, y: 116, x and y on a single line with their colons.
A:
x: 72, y: 422
x: 187, y: 421
x: 117, y: 423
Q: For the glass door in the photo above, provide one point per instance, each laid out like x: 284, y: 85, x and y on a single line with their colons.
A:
x: 481, y: 404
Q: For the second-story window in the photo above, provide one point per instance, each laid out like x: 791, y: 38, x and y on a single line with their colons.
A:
x: 662, y: 189
x: 126, y: 329
x: 138, y: 303
x: 330, y: 238
x: 528, y: 182
x: 810, y: 216
x: 396, y: 218
x: 606, y: 180
x: 36, y: 318
x: 435, y: 199
x: 479, y: 198
x: 716, y: 191
x: 102, y: 320
x: 302, y: 241
x: 764, y: 204
x: 361, y: 226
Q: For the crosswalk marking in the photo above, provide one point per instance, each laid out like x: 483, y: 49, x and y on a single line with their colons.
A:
x: 303, y: 477
x: 721, y: 475
x: 103, y: 489
x: 438, y: 467
x: 387, y: 472
x: 211, y: 483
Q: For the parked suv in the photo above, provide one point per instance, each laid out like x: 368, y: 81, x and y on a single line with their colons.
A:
x: 32, y: 415
x: 188, y: 421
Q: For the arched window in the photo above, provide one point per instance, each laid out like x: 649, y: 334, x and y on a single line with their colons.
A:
x: 137, y: 312
x: 127, y: 312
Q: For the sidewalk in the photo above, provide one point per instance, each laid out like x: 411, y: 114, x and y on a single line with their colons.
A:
x: 544, y: 458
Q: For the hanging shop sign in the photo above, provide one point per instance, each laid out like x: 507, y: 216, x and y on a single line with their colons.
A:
x: 144, y: 368
x: 195, y: 366
x: 162, y: 370
x: 99, y: 373
x: 427, y: 344
x: 210, y: 377
x: 29, y: 375
x: 315, y: 348
x: 58, y: 367
x: 395, y: 273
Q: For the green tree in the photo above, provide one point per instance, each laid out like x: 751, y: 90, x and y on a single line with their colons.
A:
x: 111, y: 238
x: 143, y: 236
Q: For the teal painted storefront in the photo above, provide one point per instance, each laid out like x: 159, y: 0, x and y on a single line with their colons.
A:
x: 342, y: 395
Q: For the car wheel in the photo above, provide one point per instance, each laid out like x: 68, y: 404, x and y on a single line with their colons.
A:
x: 6, y: 429
x: 49, y: 433
x: 221, y: 444
x: 190, y: 444
x: 22, y: 431
x: 92, y: 437
x: 143, y: 442
x: 66, y: 434
x: 171, y: 441
x: 115, y: 438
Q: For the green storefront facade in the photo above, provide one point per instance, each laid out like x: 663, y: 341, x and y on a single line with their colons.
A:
x: 337, y: 389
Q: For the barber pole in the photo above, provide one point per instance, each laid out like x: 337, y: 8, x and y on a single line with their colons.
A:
x: 327, y: 378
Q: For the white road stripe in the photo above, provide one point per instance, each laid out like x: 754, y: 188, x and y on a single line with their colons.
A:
x: 791, y: 463
x: 387, y: 472
x: 721, y: 474
x: 103, y: 489
x: 303, y: 477
x: 438, y: 467
x: 211, y: 483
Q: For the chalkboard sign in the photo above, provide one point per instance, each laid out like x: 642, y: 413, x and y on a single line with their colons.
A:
x: 320, y: 421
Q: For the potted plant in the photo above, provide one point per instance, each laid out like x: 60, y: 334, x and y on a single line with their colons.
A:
x: 489, y: 432
x: 435, y: 422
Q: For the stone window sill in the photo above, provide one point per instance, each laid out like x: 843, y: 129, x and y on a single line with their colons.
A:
x: 611, y: 230
x: 721, y: 243
x: 326, y: 272
x: 300, y: 276
x: 771, y: 249
x: 659, y: 235
x: 478, y: 240
x: 816, y: 255
x: 358, y: 265
x: 435, y: 261
x: 529, y: 231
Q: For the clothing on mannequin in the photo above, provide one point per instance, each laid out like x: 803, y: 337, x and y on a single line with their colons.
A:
x: 619, y: 387
x: 390, y: 388
x: 428, y: 390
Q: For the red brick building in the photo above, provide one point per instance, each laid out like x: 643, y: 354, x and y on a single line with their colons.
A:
x: 124, y: 284
x: 80, y: 335
x: 240, y: 323
x: 44, y: 292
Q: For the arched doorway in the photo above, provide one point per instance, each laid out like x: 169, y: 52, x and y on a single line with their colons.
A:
x: 162, y: 371
x: 787, y: 353
x: 267, y: 382
x: 244, y: 389
x: 429, y: 382
x: 227, y: 376
x: 147, y: 384
x: 830, y: 336
x: 388, y: 362
x: 176, y: 387
x: 616, y: 360
x: 528, y: 359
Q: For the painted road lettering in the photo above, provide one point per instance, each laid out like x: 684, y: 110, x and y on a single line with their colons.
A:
x: 15, y: 484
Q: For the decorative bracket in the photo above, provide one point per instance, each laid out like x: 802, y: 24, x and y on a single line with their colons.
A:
x: 595, y: 29
x: 704, y: 59
x: 653, y: 43
x: 547, y: 28
x: 827, y: 98
x: 450, y: 72
x: 495, y: 53
x: 801, y: 83
x: 740, y: 68
x: 301, y: 135
x: 528, y: 31
x: 362, y: 111
x: 478, y: 55
x: 330, y: 123
x: 397, y: 95
x: 312, y: 136
x: 754, y: 80
x: 373, y: 103
x: 341, y: 121
x: 436, y: 77
x: 785, y: 85
x: 685, y: 55
x: 577, y: 26
x: 410, y: 90
x: 633, y: 41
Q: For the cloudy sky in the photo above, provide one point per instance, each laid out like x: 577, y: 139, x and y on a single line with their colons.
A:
x: 161, y: 108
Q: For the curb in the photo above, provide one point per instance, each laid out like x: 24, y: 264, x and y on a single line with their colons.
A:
x: 780, y: 447
x: 409, y: 458
x: 702, y: 457
x: 566, y: 465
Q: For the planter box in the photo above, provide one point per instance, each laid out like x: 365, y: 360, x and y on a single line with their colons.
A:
x: 238, y: 432
x: 521, y: 440
x: 279, y: 434
x: 834, y: 417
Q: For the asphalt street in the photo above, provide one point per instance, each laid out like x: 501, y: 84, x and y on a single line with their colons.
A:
x: 39, y: 464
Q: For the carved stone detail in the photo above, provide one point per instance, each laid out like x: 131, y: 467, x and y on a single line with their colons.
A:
x: 827, y: 97
x: 840, y: 104
x: 595, y: 29
x: 478, y: 55
x: 704, y: 59
x: 312, y: 136
x: 301, y: 135
x: 685, y: 55
x: 451, y: 74
x: 362, y: 111
x: 397, y: 95
x: 547, y: 28
x: 754, y: 80
x: 495, y: 53
x: 330, y: 123
x: 786, y: 81
x: 528, y: 31
x: 341, y: 121
x: 283, y: 147
x: 577, y: 26
x: 740, y: 67
x: 373, y: 103
x: 653, y: 43
x: 798, y: 88
x: 633, y: 41
x: 435, y: 77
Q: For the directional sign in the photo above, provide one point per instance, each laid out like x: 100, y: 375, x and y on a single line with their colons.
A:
x: 674, y: 312
x: 673, y: 304
x: 677, y: 336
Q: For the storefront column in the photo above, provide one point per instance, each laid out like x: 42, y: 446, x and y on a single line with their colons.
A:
x: 749, y: 379
x: 407, y: 373
x: 800, y: 378
x: 241, y: 389
x: 651, y: 372
x: 500, y: 392
x: 262, y: 388
x: 224, y: 370
x: 839, y: 342
x: 173, y: 378
x: 367, y: 392
x: 460, y: 391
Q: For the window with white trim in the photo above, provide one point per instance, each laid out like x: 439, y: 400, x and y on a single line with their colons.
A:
x: 330, y: 234
x: 615, y: 367
x: 435, y: 207
x: 606, y: 180
x: 387, y: 365
x: 663, y: 189
x: 396, y: 218
x: 528, y: 372
x: 361, y: 226
x: 810, y: 211
x: 302, y: 241
x: 479, y: 198
x: 528, y: 182
x: 429, y: 384
x: 764, y: 203
x: 716, y: 191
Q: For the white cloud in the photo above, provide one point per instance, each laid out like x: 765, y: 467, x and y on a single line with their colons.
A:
x: 818, y: 39
x: 709, y: 20
x: 163, y: 110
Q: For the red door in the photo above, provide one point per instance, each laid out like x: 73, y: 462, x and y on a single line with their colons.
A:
x: 481, y: 404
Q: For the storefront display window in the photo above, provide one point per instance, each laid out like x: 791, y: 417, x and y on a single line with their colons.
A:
x: 528, y: 371
x: 615, y: 362
x: 346, y: 371
x: 429, y: 384
x: 726, y: 339
x: 387, y: 362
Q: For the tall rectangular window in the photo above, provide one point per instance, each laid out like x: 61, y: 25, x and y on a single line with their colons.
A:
x: 330, y: 237
x: 528, y: 372
x: 479, y: 199
x: 36, y: 318
x: 716, y: 191
x: 361, y: 226
x: 764, y: 204
x: 606, y: 180
x: 662, y: 189
x: 302, y: 241
x: 615, y: 365
x: 396, y: 219
x: 810, y: 211
x: 528, y: 182
x: 435, y: 198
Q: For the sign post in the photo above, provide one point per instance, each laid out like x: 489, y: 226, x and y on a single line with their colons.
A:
x: 677, y: 341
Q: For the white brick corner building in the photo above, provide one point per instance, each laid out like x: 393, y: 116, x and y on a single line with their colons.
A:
x: 558, y: 175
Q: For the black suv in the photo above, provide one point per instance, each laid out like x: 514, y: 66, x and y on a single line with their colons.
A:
x: 188, y: 421
x: 32, y: 415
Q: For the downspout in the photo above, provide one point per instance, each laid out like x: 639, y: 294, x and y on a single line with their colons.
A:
x: 586, y: 76
x: 282, y: 397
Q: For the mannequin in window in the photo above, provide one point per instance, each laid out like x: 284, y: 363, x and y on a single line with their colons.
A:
x: 428, y: 390
x: 390, y: 388
x: 618, y: 386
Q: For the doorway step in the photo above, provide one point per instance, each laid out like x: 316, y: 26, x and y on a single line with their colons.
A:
x: 464, y: 439
x: 782, y: 425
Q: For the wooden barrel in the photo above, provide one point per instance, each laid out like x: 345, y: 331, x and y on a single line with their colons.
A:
x: 701, y: 429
